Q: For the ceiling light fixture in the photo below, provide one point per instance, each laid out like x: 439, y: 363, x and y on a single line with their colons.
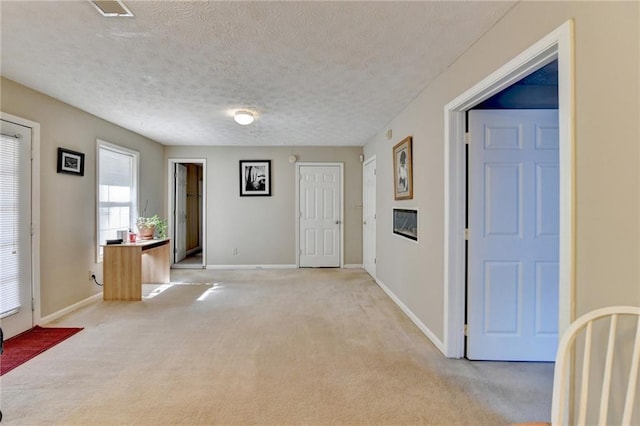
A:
x: 244, y: 118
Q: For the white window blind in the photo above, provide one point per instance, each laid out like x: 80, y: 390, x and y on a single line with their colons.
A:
x: 117, y: 191
x: 10, y: 197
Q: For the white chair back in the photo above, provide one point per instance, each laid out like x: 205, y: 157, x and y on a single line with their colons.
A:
x: 588, y: 383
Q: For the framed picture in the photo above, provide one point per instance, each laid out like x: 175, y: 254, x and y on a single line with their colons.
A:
x: 71, y: 162
x: 405, y: 223
x: 403, y: 170
x: 255, y: 178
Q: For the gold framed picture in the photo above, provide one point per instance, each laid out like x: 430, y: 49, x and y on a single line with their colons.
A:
x: 403, y: 170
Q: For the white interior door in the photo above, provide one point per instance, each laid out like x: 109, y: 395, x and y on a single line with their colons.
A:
x: 369, y: 217
x: 512, y: 297
x: 320, y: 216
x: 16, y: 288
x: 181, y: 213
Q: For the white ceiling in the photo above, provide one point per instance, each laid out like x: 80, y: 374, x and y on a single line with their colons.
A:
x: 316, y: 73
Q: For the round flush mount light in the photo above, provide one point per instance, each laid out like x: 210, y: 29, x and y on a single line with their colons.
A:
x: 244, y: 118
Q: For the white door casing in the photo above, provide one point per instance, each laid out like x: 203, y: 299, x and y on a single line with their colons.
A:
x: 16, y: 279
x: 180, y: 216
x: 512, y: 299
x: 320, y: 215
x: 558, y: 44
x: 369, y: 216
x: 171, y: 197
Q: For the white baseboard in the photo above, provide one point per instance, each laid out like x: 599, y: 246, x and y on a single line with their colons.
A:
x: 252, y: 267
x: 353, y: 266
x: 425, y: 330
x: 187, y: 266
x: 194, y: 250
x: 346, y: 266
x: 54, y: 316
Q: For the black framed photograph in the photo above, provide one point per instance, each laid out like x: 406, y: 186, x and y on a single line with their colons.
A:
x: 71, y: 162
x: 255, y: 178
x: 405, y: 223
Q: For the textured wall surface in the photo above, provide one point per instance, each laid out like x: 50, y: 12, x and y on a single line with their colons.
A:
x: 318, y: 73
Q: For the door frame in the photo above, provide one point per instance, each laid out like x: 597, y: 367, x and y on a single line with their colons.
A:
x: 35, y: 210
x: 559, y: 44
x: 298, y: 210
x: 170, y: 210
x: 365, y: 164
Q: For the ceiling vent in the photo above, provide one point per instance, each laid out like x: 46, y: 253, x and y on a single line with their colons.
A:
x: 111, y: 8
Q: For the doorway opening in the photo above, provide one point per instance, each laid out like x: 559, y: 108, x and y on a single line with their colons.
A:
x: 187, y: 213
x: 558, y: 45
x: 511, y: 288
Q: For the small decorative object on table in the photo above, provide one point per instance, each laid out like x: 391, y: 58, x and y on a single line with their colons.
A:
x: 150, y: 226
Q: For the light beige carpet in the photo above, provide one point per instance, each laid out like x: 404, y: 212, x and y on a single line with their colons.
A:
x: 295, y: 347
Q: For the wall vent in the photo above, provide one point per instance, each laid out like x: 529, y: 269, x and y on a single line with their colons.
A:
x: 111, y: 8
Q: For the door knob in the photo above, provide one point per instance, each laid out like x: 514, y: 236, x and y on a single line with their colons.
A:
x: 338, y: 222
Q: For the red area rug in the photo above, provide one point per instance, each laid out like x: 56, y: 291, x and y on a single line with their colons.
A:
x: 21, y: 348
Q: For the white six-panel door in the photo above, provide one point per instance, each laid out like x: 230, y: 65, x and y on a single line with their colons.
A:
x: 512, y: 297
x: 369, y: 217
x: 320, y: 222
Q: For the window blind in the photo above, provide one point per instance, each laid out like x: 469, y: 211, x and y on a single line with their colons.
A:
x: 117, y: 191
x: 116, y: 169
x: 9, y: 225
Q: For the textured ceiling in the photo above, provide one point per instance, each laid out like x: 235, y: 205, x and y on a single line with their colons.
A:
x: 316, y: 73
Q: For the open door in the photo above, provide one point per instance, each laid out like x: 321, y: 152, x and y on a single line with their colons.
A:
x: 513, y: 243
x: 187, y: 197
x: 180, y: 216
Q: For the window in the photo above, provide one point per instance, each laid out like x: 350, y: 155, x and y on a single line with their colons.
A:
x: 117, y: 191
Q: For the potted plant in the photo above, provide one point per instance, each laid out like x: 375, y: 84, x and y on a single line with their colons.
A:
x: 150, y: 226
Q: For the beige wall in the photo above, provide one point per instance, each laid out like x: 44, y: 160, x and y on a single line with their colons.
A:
x: 263, y: 228
x: 607, y: 156
x: 68, y: 203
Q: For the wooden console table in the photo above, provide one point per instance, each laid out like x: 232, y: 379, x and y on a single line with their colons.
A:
x: 126, y: 266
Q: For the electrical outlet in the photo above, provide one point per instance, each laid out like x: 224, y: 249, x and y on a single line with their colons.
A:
x: 234, y: 251
x: 91, y: 275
